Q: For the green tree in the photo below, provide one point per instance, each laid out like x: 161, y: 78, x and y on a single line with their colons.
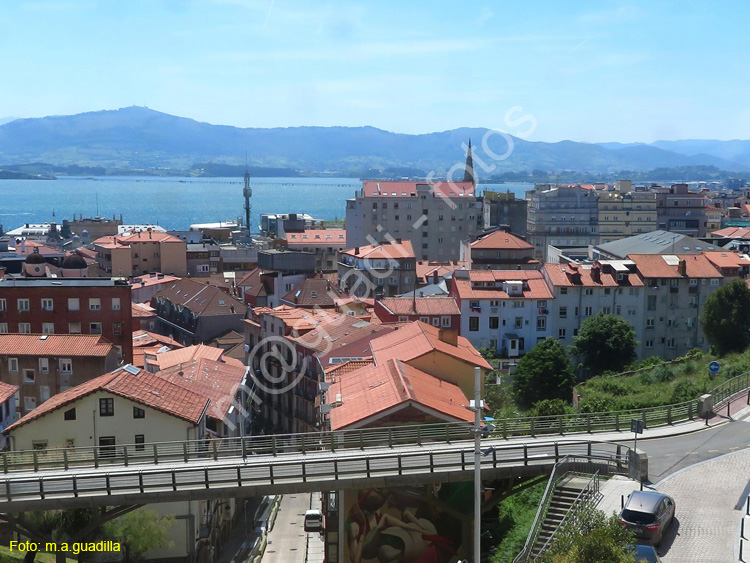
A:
x: 606, y: 342
x: 591, y: 538
x: 139, y: 531
x: 726, y: 318
x: 544, y: 373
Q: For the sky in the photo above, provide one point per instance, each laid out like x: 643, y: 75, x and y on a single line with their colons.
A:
x: 544, y: 70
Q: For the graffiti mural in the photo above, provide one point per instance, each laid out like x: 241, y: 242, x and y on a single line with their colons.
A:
x: 423, y: 524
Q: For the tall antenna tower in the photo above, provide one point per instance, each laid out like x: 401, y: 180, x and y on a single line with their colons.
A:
x: 247, y: 191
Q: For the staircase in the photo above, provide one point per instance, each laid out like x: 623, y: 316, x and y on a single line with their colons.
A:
x: 564, y: 495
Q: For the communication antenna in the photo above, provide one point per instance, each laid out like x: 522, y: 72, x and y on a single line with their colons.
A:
x: 247, y: 192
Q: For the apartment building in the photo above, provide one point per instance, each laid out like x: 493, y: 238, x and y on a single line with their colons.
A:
x: 436, y: 217
x: 98, y: 306
x: 561, y: 216
x: 43, y: 365
x: 681, y: 211
x: 502, y: 250
x: 508, y: 310
x: 624, y: 212
x: 442, y: 312
x: 504, y: 209
x: 203, y: 259
x: 381, y: 270
x: 141, y: 252
x: 676, y: 288
x: 325, y: 244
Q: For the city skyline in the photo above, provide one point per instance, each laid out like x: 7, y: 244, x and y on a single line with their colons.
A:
x: 625, y: 71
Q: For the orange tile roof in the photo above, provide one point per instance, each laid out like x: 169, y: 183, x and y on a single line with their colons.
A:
x: 375, y: 389
x: 564, y: 275
x: 427, y: 269
x: 417, y: 339
x: 146, y: 236
x: 142, y: 310
x: 337, y: 370
x: 152, y: 279
x: 323, y: 237
x: 334, y: 331
x: 146, y: 338
x: 657, y: 265
x: 218, y: 381
x: 424, y: 305
x: 732, y: 232
x: 534, y: 288
x: 7, y: 391
x: 31, y: 246
x: 166, y: 360
x: 500, y: 240
x: 65, y: 345
x: 395, y: 250
x: 374, y: 188
x: 140, y: 387
x: 727, y: 259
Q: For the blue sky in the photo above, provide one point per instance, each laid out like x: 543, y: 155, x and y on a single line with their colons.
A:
x: 586, y: 71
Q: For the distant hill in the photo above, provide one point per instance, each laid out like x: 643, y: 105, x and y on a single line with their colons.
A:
x: 137, y: 137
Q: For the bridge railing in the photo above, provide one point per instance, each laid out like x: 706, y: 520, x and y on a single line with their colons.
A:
x: 320, y: 468
x: 219, y: 448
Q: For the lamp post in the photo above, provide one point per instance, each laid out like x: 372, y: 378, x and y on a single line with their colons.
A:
x: 477, y: 464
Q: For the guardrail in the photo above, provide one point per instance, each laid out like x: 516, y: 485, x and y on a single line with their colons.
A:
x: 306, y: 473
x: 215, y: 449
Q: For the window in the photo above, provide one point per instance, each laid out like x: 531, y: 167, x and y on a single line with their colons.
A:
x: 95, y: 328
x: 70, y: 414
x: 43, y: 365
x: 47, y: 305
x: 649, y: 323
x: 29, y: 376
x: 561, y: 333
x: 563, y: 312
x: 24, y: 328
x: 48, y: 328
x: 66, y: 365
x: 29, y: 403
x: 23, y: 304
x: 95, y: 304
x: 541, y: 304
x: 424, y: 320
x: 116, y: 302
x: 474, y: 323
x: 140, y: 440
x: 43, y: 392
x: 714, y: 283
x: 587, y: 311
x: 3, y: 304
x: 607, y: 310
x: 117, y: 327
x: 74, y: 304
x: 589, y: 291
x: 494, y: 322
x: 435, y: 321
x: 541, y: 323
x: 563, y: 291
x: 13, y: 365
x: 445, y: 320
x: 74, y: 328
x: 106, y: 407
x: 107, y: 446
x: 519, y: 322
x: 3, y: 328
x: 202, y: 268
x: 138, y: 413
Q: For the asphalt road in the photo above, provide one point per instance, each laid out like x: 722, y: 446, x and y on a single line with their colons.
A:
x: 670, y: 454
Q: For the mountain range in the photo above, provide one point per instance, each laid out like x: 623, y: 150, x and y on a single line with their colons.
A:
x: 137, y: 137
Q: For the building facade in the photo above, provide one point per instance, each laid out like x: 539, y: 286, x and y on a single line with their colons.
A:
x: 382, y: 270
x: 624, y: 212
x: 681, y: 211
x: 504, y: 209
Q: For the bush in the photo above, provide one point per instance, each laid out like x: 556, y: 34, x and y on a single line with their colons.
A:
x: 549, y: 407
x: 663, y: 374
x: 651, y: 361
x: 597, y: 404
x: 685, y: 391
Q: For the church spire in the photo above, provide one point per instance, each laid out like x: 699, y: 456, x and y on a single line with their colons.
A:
x: 469, y: 175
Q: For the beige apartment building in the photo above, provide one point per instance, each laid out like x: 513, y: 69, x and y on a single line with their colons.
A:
x: 141, y: 252
x: 624, y: 212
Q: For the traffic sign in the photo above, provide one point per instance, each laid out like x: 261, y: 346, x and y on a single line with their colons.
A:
x: 713, y: 367
x: 636, y: 426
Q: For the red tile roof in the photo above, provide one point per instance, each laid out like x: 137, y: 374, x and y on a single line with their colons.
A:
x: 732, y: 232
x: 372, y: 188
x: 201, y: 299
x: 152, y: 279
x: 7, y: 391
x: 140, y: 387
x: 337, y: 370
x: 574, y: 275
x: 666, y: 265
x: 488, y: 284
x: 218, y: 381
x: 395, y: 250
x: 65, y: 345
x: 146, y: 236
x: 323, y: 237
x: 427, y: 270
x: 142, y: 311
x: 376, y: 389
x: 166, y: 360
x: 500, y: 240
x: 314, y: 292
x: 146, y: 338
x: 424, y: 305
x: 417, y: 339
x: 728, y: 260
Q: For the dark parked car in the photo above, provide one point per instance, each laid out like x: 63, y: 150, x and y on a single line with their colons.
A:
x: 645, y: 554
x: 647, y: 514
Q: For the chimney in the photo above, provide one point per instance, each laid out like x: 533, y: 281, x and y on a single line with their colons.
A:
x: 448, y: 336
x: 596, y: 273
x: 435, y: 277
x: 356, y: 250
x: 682, y: 268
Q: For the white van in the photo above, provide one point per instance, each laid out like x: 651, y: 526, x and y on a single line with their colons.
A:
x: 313, y: 521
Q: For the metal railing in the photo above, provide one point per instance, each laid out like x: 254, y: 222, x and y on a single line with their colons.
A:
x: 316, y: 471
x: 566, y: 466
x: 419, y: 435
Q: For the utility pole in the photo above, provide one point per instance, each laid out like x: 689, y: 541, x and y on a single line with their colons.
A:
x: 477, y: 464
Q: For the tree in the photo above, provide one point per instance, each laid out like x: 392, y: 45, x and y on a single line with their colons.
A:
x: 544, y: 373
x: 591, y: 538
x: 606, y: 342
x: 139, y: 531
x: 726, y: 318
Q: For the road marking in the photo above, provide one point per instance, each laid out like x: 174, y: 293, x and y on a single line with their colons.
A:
x: 691, y: 453
x: 712, y: 451
x: 734, y: 448
x: 668, y: 455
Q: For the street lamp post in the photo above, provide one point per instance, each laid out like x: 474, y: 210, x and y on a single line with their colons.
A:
x: 477, y: 464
